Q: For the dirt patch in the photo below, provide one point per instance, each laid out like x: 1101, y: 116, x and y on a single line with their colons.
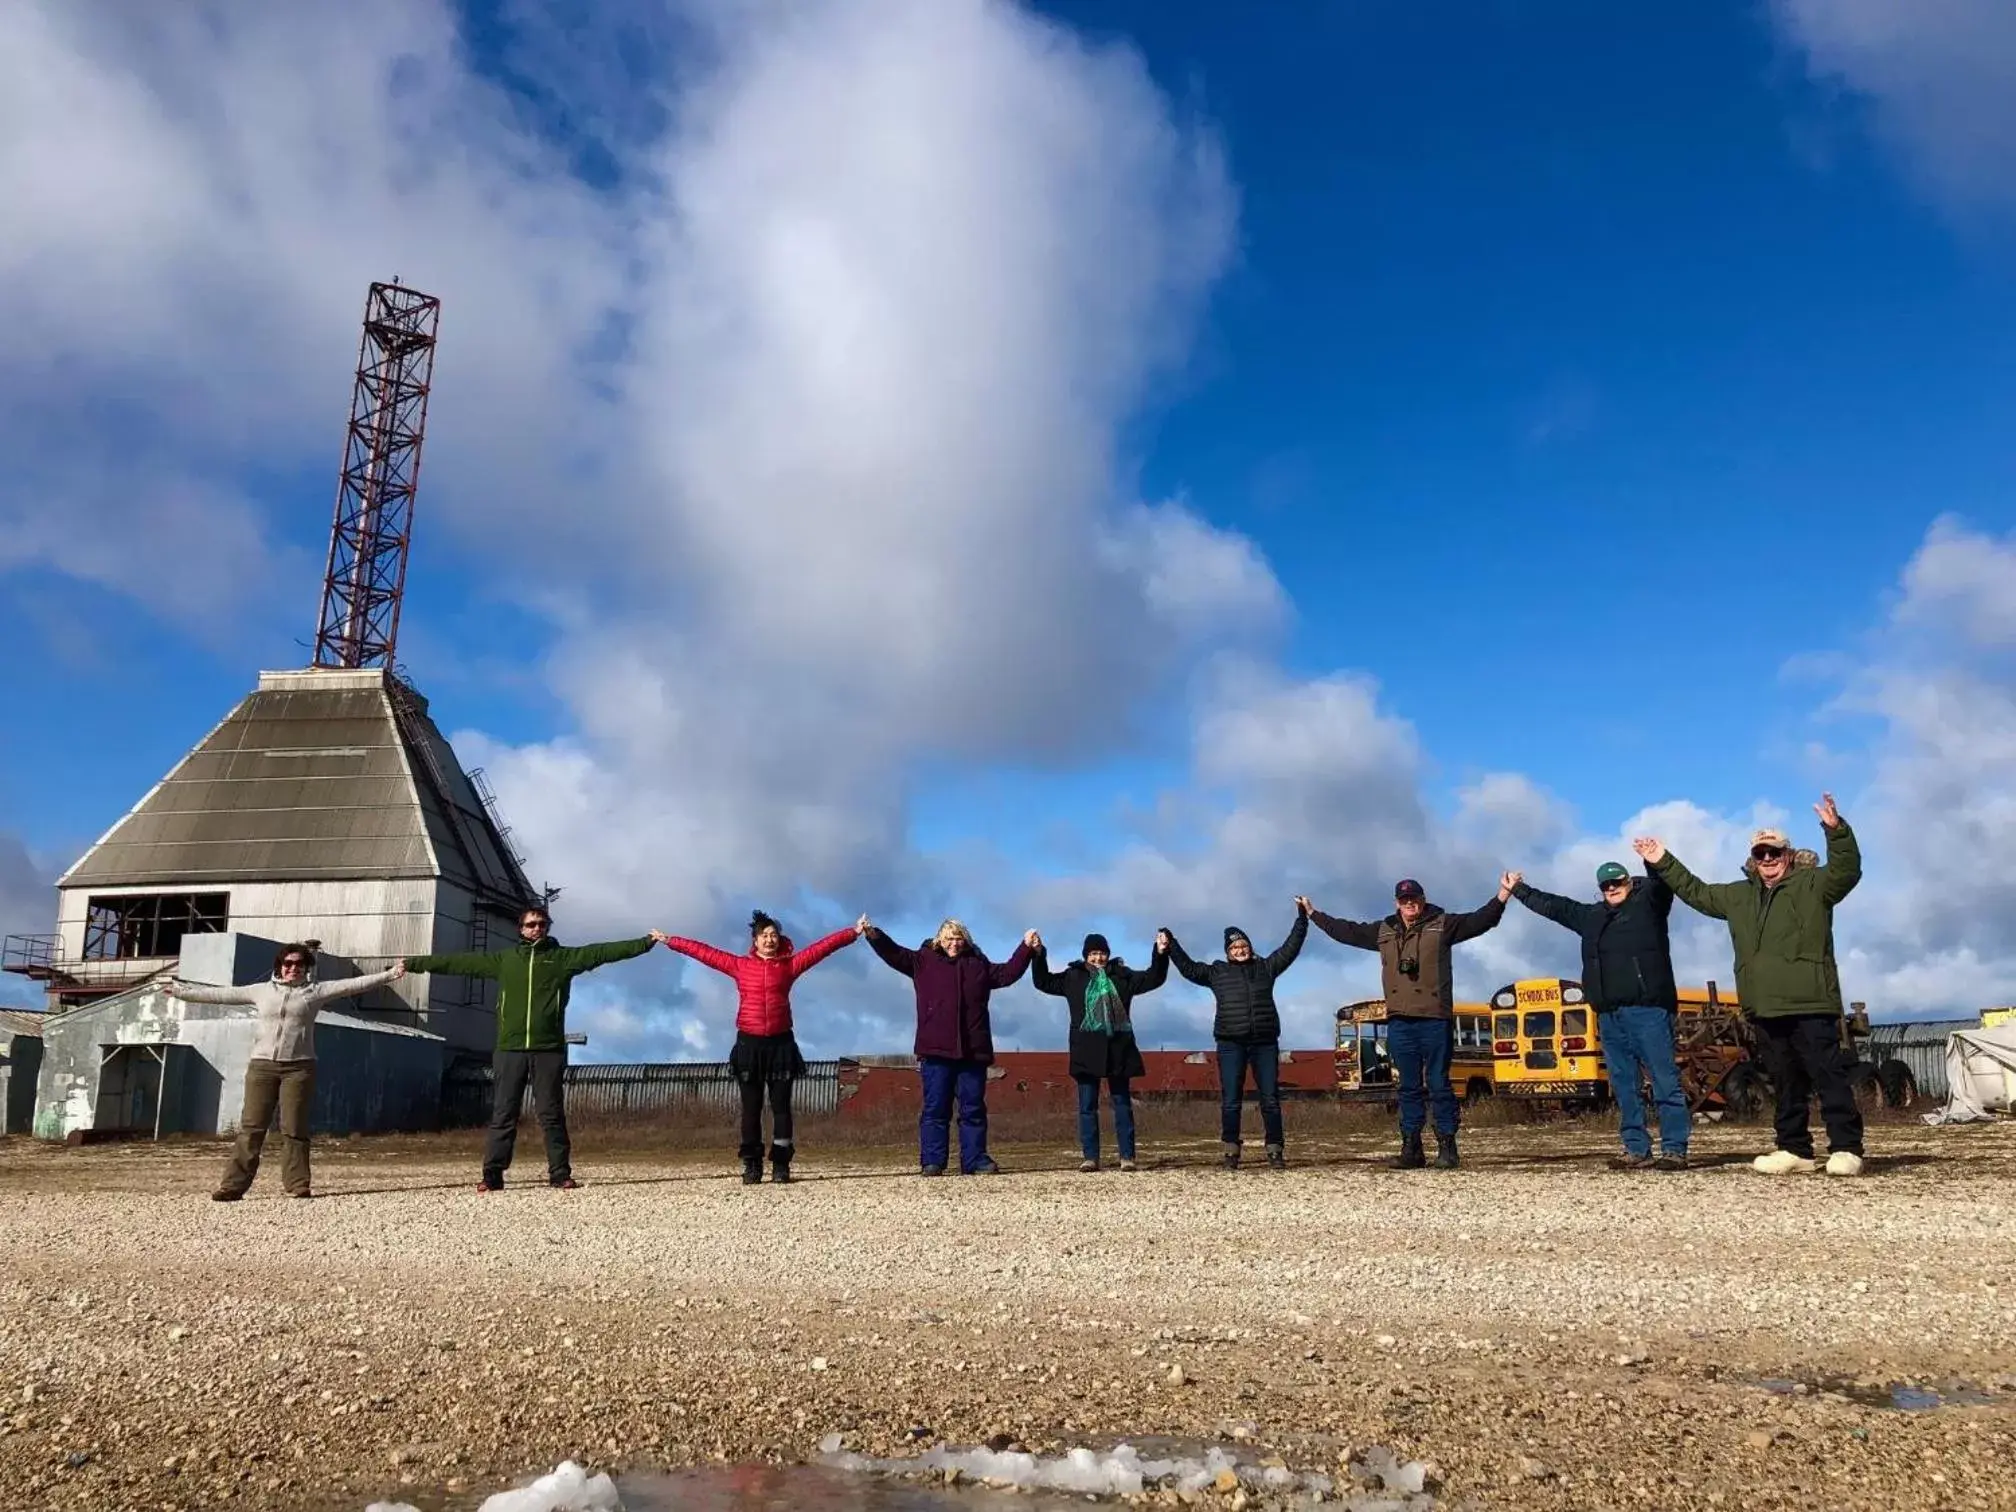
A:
x: 1547, y: 1332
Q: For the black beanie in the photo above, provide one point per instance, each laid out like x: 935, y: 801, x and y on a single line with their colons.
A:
x: 1233, y: 933
x: 1095, y: 942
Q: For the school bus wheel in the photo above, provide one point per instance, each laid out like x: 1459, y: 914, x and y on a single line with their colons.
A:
x: 1477, y: 1089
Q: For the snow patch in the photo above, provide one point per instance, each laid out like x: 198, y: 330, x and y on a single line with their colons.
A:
x: 567, y: 1489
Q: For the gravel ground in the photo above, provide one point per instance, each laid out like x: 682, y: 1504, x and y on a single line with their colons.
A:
x: 1546, y: 1332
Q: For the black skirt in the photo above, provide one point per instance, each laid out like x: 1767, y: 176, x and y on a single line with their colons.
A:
x: 766, y: 1057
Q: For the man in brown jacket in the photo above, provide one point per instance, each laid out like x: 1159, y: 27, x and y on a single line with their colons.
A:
x: 1414, y: 943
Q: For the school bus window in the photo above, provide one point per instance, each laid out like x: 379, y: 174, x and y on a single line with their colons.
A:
x: 1575, y: 1021
x: 1473, y: 1032
x: 1506, y: 1026
x: 1539, y: 1025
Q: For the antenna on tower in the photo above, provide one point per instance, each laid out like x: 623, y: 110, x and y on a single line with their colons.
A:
x: 366, y: 578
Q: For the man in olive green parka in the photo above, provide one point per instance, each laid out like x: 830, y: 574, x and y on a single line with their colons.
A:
x: 534, y: 978
x: 1781, y: 924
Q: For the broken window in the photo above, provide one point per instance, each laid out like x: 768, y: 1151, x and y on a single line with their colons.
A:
x: 147, y: 925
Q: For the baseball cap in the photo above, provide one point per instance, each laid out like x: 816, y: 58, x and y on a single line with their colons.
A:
x: 1407, y: 890
x: 1771, y: 837
x: 1610, y: 871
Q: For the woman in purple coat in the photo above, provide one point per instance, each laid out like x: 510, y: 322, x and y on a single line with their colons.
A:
x: 955, y: 1037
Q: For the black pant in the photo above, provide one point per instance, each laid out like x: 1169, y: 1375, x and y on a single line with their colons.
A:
x: 780, y: 1119
x: 1802, y: 1055
x: 546, y: 1070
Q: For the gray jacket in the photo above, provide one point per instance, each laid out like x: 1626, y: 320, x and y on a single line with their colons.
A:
x: 286, y: 1014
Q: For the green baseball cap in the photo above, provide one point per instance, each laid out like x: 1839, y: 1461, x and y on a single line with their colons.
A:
x: 1610, y: 871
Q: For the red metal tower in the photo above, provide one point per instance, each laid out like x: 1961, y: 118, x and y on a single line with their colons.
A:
x: 359, y: 623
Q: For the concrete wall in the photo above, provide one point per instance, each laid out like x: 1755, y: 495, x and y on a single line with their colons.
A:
x: 368, y: 1077
x: 369, y: 923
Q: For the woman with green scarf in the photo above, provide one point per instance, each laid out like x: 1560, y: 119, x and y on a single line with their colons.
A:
x: 1100, y: 990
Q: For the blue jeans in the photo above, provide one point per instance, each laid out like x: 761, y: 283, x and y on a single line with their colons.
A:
x: 942, y: 1078
x: 1234, y: 1059
x: 1088, y: 1115
x: 1642, y: 1037
x: 1421, y: 1049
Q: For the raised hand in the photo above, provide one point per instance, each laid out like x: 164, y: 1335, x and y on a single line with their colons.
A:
x: 1032, y: 939
x: 398, y: 970
x: 1162, y: 942
x: 1303, y: 905
x: 1650, y: 848
x: 1508, y: 882
x: 659, y: 937
x: 862, y: 926
x: 1829, y: 814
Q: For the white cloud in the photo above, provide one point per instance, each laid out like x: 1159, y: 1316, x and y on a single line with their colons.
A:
x: 1938, y: 73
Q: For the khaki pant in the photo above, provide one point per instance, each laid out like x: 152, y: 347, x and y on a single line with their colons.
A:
x: 288, y: 1085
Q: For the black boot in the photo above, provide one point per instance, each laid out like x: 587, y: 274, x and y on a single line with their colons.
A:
x: 1445, y: 1152
x: 1277, y: 1159
x: 780, y: 1167
x: 752, y: 1171
x: 1229, y: 1149
x: 1411, y: 1157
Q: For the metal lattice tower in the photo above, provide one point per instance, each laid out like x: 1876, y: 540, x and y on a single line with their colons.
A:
x: 361, y: 592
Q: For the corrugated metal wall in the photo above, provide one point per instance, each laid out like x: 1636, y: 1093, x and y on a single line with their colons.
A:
x: 1921, y: 1046
x: 638, y: 1089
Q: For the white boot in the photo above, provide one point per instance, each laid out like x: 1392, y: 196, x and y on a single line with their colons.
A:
x: 1782, y: 1163
x: 1844, y: 1163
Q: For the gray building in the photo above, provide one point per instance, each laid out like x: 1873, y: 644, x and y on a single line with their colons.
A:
x: 142, y: 1063
x: 20, y: 1066
x: 326, y: 806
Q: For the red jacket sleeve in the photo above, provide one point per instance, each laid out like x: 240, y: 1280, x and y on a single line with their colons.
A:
x: 706, y: 955
x: 1005, y: 974
x: 818, y: 950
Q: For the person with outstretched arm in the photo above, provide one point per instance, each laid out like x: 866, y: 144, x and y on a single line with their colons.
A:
x: 534, y: 980
x: 1246, y: 1025
x: 280, y: 1074
x: 766, y: 1047
x: 1781, y: 927
x: 1627, y: 978
x: 954, y: 983
x: 1415, y: 944
x: 1099, y: 991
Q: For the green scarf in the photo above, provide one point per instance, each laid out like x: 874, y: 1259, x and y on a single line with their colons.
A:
x: 1105, y: 1013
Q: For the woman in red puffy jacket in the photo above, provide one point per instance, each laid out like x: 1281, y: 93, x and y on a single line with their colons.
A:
x: 766, y: 1051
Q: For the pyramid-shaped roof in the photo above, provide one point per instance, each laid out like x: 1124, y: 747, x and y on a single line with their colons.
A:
x: 319, y: 775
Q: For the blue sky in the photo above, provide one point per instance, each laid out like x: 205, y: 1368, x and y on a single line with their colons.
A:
x: 1582, y: 383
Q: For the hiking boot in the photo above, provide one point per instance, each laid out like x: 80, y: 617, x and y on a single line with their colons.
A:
x: 1631, y: 1162
x: 1128, y: 1165
x: 1844, y: 1163
x: 222, y: 1195
x: 780, y: 1171
x: 1230, y: 1152
x: 752, y: 1172
x: 303, y: 1195
x: 1672, y: 1160
x: 1277, y: 1159
x: 1445, y: 1152
x: 1783, y: 1163
x: 1088, y: 1166
x: 489, y: 1186
x: 938, y: 1170
x: 566, y: 1184
x: 1411, y: 1157
x: 985, y: 1166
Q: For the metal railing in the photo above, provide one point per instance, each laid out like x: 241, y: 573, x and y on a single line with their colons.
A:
x: 25, y: 953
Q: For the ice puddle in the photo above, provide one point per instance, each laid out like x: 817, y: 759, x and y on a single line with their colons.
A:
x: 1379, y: 1481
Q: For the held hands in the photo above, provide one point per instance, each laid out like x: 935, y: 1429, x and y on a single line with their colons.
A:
x: 1830, y: 816
x: 659, y: 937
x: 398, y: 970
x: 1508, y: 882
x: 1650, y: 849
x: 1161, y: 942
x: 1304, y: 906
x: 862, y: 926
x: 1032, y: 939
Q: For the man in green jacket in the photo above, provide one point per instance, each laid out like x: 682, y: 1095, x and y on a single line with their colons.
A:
x: 533, y: 980
x: 1781, y: 923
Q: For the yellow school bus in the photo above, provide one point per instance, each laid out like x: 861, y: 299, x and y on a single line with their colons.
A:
x: 1543, y: 1042
x: 1365, y: 1063
x: 1994, y: 1018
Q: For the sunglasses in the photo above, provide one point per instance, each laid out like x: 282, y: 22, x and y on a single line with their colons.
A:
x: 1766, y: 852
x: 293, y: 963
x: 1613, y: 886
